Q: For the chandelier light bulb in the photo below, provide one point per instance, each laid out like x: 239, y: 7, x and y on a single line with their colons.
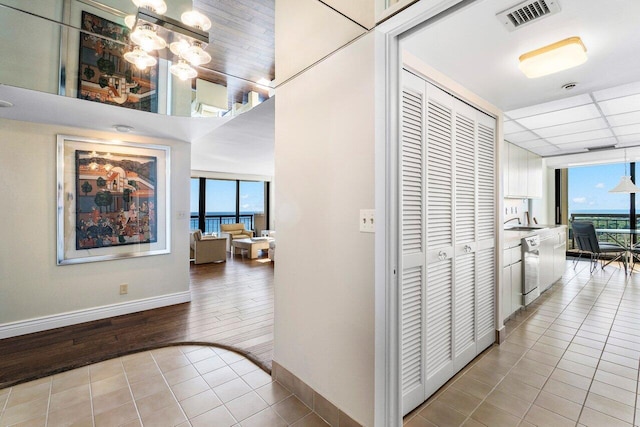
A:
x: 146, y: 37
x: 182, y: 70
x: 196, y: 55
x: 158, y: 6
x: 140, y: 58
x: 196, y: 19
x: 179, y: 47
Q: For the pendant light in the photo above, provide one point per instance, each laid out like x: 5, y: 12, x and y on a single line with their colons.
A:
x: 625, y: 185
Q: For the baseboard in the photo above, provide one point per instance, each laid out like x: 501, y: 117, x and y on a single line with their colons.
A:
x: 44, y: 323
x: 314, y: 400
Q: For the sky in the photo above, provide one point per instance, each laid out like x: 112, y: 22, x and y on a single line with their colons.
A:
x: 221, y: 196
x: 589, y: 188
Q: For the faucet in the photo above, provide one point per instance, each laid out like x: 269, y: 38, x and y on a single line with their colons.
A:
x: 516, y: 218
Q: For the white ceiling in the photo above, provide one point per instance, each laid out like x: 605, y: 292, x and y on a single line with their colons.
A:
x: 472, y: 47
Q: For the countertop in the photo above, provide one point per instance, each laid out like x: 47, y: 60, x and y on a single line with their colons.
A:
x: 513, y: 237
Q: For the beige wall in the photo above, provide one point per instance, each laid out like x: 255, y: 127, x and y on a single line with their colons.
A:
x: 306, y: 31
x: 324, y: 292
x: 31, y: 284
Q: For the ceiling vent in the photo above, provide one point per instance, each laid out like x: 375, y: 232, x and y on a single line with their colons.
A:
x: 602, y: 147
x: 527, y: 12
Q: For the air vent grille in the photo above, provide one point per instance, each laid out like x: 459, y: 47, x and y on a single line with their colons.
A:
x: 527, y: 12
x: 602, y: 147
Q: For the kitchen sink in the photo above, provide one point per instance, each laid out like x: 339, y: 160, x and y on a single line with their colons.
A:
x: 525, y: 228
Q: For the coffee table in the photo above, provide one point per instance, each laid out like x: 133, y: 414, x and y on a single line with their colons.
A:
x: 251, y: 245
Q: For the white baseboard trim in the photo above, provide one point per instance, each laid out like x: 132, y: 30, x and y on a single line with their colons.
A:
x: 22, y: 327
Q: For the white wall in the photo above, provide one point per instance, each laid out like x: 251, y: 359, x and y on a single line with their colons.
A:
x: 324, y: 275
x: 31, y: 284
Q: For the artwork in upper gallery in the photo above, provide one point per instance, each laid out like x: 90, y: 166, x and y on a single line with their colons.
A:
x: 105, y: 76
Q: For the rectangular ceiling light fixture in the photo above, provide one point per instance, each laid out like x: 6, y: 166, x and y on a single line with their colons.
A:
x: 562, y: 55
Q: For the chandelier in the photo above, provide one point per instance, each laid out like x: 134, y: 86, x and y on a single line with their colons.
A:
x: 151, y: 31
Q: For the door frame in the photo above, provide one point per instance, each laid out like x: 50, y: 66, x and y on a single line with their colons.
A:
x: 390, y: 59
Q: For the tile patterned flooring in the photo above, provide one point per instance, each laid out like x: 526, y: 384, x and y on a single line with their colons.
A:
x: 172, y: 386
x: 570, y: 359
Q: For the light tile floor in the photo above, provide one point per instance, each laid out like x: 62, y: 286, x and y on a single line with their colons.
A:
x: 173, y: 386
x: 570, y: 359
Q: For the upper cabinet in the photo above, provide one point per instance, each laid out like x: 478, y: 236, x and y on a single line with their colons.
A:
x: 522, y: 173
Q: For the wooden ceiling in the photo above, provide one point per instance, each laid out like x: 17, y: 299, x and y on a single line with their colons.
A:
x: 241, y: 44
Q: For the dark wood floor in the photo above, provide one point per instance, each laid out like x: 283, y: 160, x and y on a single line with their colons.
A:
x: 231, y: 306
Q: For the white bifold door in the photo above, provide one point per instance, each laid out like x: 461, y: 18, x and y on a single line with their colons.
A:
x: 448, y: 236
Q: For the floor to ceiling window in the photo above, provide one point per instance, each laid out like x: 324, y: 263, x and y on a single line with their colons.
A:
x: 589, y: 198
x: 221, y: 201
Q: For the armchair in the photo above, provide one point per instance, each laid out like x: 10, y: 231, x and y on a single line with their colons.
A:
x: 206, y: 249
x: 234, y: 231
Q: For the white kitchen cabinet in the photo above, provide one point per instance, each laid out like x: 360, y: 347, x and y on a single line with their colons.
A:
x: 534, y: 176
x: 560, y: 256
x: 552, y: 256
x: 522, y: 173
x: 447, y: 222
x: 511, y: 281
x: 517, y: 171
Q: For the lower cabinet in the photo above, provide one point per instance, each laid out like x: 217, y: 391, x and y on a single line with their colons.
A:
x: 560, y: 256
x: 552, y: 257
x: 511, y: 281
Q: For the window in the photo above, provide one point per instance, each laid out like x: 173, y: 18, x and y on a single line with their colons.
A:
x: 218, y: 201
x: 194, y: 203
x: 589, y: 198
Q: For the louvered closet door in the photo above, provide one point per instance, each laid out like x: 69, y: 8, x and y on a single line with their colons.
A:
x: 447, y: 221
x: 439, y: 239
x: 486, y: 239
x: 412, y: 222
x: 464, y: 289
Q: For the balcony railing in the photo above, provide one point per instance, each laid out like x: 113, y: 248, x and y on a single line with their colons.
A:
x: 212, y: 222
x: 601, y: 220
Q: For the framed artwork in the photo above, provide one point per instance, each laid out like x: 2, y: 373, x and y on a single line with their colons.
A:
x: 113, y: 200
x: 105, y: 76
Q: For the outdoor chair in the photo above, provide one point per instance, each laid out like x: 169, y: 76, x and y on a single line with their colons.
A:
x: 584, y: 234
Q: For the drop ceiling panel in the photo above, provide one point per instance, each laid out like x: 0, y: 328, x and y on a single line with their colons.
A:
x: 582, y: 136
x: 629, y: 139
x: 627, y: 130
x: 584, y: 112
x: 573, y: 127
x: 549, y: 150
x: 532, y: 145
x: 624, y: 119
x: 521, y: 137
x: 625, y: 104
x: 583, y: 145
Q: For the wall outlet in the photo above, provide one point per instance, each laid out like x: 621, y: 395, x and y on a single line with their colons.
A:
x: 124, y: 289
x: 367, y: 221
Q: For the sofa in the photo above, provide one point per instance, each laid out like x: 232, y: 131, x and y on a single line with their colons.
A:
x: 233, y: 232
x: 204, y: 249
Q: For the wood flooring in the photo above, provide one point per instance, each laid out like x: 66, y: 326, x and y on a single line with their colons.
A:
x: 231, y: 306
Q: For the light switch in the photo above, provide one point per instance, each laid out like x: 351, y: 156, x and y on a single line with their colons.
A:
x: 367, y: 218
x: 182, y: 214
